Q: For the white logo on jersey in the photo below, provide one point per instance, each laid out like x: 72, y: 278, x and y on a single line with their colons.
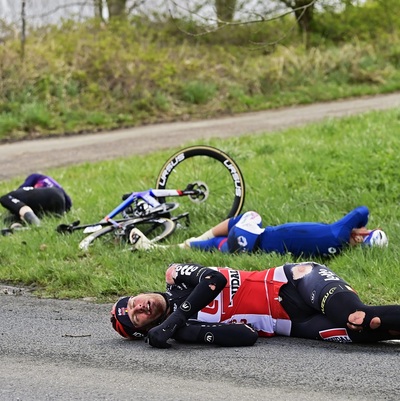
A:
x: 234, y: 283
x: 209, y: 337
x: 329, y: 276
x: 186, y: 306
x: 186, y: 270
x: 242, y: 241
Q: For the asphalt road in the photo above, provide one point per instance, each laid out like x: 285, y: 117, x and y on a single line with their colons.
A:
x: 66, y: 350
x: 24, y: 157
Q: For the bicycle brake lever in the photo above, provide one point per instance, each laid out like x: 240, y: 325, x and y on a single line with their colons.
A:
x: 67, y: 228
x: 63, y: 228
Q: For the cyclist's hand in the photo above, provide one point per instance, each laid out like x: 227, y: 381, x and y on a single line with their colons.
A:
x: 159, y: 335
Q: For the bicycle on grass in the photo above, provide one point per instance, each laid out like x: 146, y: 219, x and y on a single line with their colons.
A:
x: 213, y: 184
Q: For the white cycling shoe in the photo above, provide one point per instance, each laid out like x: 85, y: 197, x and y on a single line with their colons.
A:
x: 139, y: 241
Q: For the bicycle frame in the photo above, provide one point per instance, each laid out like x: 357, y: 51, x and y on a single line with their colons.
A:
x: 150, y: 197
x: 216, y: 181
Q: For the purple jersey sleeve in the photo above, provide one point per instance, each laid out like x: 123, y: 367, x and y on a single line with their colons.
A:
x: 44, y: 181
x: 31, y: 180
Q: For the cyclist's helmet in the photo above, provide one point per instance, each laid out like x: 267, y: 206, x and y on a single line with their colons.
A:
x: 376, y: 238
x: 121, y: 322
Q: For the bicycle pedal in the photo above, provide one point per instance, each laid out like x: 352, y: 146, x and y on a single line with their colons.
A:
x: 134, y: 239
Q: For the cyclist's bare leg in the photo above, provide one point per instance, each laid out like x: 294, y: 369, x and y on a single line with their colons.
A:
x: 220, y: 230
x: 356, y: 320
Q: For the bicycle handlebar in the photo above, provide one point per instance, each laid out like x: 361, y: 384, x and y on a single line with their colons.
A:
x: 149, y: 197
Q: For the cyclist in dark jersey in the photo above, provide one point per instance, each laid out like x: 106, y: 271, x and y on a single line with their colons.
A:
x: 245, y: 233
x: 38, y: 195
x: 229, y: 307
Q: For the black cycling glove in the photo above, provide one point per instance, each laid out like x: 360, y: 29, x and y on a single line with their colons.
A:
x: 159, y: 335
x: 207, y: 289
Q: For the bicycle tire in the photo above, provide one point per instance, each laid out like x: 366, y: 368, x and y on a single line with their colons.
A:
x: 213, y: 167
x: 156, y: 229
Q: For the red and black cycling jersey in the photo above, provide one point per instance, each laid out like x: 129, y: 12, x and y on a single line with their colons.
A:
x: 248, y: 297
x: 297, y: 299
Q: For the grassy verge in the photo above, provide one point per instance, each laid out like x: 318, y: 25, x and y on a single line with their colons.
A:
x: 87, y: 77
x: 313, y: 173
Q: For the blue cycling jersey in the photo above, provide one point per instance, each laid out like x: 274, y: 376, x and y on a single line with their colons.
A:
x: 300, y: 239
x: 313, y: 239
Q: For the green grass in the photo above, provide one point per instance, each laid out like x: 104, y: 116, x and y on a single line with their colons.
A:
x: 83, y: 77
x: 314, y: 173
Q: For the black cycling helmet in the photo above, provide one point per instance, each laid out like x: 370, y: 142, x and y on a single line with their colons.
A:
x: 121, y: 322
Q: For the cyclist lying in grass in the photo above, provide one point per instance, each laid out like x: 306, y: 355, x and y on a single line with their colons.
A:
x: 38, y: 195
x: 228, y: 307
x: 245, y: 233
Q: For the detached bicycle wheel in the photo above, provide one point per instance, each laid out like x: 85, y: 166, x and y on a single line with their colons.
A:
x: 155, y: 229
x: 211, y: 170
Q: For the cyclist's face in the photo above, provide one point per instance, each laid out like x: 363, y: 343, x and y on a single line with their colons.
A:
x: 144, y: 309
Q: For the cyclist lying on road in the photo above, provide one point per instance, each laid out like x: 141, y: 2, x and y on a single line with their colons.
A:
x: 230, y: 307
x: 245, y: 233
